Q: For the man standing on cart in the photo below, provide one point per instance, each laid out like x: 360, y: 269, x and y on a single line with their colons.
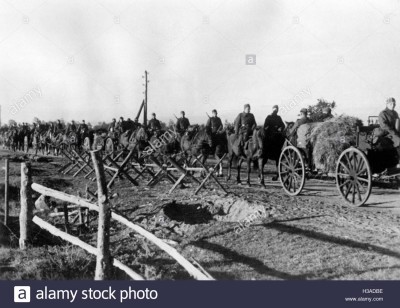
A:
x: 389, y: 122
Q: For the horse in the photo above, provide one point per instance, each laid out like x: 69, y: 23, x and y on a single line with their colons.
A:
x: 263, y: 145
x: 166, y: 142
x: 196, y: 142
x: 134, y: 139
x: 252, y: 150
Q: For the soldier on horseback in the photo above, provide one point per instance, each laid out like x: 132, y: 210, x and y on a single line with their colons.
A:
x: 120, y: 126
x: 83, y: 128
x: 58, y: 128
x: 245, y: 123
x: 214, y: 123
x: 72, y: 127
x: 112, y: 125
x: 182, y: 124
x: 154, y: 125
x: 273, y: 123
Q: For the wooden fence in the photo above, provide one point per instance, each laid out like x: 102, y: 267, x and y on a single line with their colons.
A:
x: 102, y: 252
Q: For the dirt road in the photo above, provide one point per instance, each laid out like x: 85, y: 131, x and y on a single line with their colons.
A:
x: 311, y: 236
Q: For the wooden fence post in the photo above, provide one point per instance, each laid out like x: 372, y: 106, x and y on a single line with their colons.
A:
x: 26, y: 214
x: 66, y: 218
x: 6, y: 193
x: 103, y: 261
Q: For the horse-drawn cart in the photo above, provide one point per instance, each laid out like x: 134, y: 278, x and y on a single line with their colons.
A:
x: 371, y: 159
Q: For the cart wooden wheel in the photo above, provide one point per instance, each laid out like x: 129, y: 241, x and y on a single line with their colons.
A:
x: 26, y: 144
x: 86, y: 144
x: 354, y: 177
x: 109, y: 147
x: 291, y: 170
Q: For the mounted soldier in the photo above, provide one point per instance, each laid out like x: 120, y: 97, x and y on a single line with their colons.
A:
x: 389, y: 123
x: 83, y: 128
x: 273, y: 123
x: 72, y: 127
x: 120, y: 126
x: 245, y: 123
x: 214, y: 123
x: 182, y: 124
x: 58, y: 128
x: 154, y: 125
x: 112, y: 125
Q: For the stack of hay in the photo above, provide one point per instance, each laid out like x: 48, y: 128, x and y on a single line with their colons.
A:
x: 331, y: 138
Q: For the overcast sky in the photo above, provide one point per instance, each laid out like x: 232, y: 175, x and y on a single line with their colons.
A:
x: 87, y: 57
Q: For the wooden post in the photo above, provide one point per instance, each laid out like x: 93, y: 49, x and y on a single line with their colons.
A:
x: 26, y: 214
x: 103, y: 261
x: 66, y: 219
x: 6, y: 195
x: 145, y: 100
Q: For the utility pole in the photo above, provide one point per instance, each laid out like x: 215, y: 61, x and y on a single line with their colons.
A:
x: 146, y: 81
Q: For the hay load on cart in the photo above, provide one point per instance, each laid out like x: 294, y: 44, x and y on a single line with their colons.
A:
x: 329, y: 139
x: 343, y: 147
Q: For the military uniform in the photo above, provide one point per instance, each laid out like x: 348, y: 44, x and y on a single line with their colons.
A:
x: 387, y: 121
x: 293, y: 133
x: 154, y: 125
x: 83, y: 128
x: 182, y: 125
x: 299, y: 122
x: 112, y: 125
x: 214, y: 124
x: 58, y: 128
x: 71, y: 128
x: 245, y: 123
x: 120, y: 126
x: 273, y: 123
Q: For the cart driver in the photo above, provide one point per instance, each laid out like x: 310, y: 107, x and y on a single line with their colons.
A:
x: 389, y: 123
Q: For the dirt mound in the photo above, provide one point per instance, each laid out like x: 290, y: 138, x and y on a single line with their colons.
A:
x: 238, y: 210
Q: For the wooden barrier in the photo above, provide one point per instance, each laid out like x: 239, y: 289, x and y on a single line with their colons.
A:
x: 190, y: 268
x: 76, y: 241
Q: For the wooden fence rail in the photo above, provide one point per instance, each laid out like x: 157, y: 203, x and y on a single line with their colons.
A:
x: 76, y: 241
x: 190, y: 268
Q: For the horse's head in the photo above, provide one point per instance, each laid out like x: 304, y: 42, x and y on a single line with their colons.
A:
x: 192, y: 131
x: 141, y: 134
x: 204, y: 137
x: 288, y: 129
x: 230, y: 129
x: 259, y: 137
